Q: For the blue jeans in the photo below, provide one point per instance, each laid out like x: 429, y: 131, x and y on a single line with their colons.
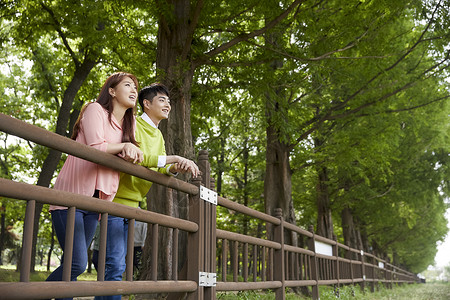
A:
x: 116, y: 250
x: 85, y: 224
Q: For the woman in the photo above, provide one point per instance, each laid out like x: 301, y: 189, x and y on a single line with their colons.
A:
x: 107, y: 125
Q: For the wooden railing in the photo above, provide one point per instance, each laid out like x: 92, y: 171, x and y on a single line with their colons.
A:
x: 253, y: 264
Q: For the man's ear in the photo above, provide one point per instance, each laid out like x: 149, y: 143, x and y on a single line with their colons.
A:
x: 147, y: 103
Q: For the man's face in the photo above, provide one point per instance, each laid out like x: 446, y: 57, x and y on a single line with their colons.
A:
x: 159, y: 108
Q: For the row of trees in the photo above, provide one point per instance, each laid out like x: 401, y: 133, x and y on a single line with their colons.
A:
x: 335, y: 111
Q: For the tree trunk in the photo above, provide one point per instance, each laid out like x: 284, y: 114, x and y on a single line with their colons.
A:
x: 50, y: 250
x: 176, y: 72
x: 277, y: 183
x: 324, y: 218
x: 352, y: 235
x: 348, y: 228
x: 278, y: 180
x: 51, y: 161
x: 365, y: 242
x: 220, y: 167
x: 245, y: 187
x: 2, y: 232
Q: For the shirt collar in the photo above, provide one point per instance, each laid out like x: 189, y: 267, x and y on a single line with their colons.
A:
x: 147, y: 119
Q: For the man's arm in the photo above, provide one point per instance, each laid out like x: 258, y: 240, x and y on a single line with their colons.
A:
x: 182, y: 165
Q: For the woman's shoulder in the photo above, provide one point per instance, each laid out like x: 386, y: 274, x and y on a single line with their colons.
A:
x: 95, y: 108
x: 94, y: 114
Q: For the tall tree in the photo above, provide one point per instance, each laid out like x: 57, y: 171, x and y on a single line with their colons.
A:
x: 37, y: 21
x: 184, y: 29
x: 65, y: 42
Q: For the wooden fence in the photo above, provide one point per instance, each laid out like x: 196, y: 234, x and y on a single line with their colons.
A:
x: 217, y: 260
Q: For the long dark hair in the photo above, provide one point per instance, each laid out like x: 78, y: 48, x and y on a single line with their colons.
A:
x: 105, y: 100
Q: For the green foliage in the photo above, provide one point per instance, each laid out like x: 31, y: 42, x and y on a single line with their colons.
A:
x: 44, y: 46
x: 358, y: 87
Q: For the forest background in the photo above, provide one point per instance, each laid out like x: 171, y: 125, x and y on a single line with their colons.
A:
x: 335, y: 111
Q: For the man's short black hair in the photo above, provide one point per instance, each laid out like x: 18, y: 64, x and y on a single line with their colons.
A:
x: 149, y: 92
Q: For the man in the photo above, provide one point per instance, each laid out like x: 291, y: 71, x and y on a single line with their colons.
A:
x: 154, y: 101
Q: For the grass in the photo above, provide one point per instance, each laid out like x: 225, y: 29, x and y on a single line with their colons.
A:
x: 8, y: 273
x: 429, y: 291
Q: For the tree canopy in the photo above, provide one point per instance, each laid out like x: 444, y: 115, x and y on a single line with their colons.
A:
x: 336, y: 111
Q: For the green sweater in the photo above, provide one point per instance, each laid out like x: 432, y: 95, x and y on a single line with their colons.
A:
x: 132, y: 190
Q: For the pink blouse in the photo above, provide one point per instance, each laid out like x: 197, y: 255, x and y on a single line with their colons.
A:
x: 84, y: 177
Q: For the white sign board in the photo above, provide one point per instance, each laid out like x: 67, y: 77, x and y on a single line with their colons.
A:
x: 381, y: 265
x: 324, y: 249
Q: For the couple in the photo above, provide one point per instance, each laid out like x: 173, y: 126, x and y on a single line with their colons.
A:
x: 109, y: 125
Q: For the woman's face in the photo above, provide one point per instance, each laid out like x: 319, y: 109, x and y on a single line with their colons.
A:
x: 124, y: 94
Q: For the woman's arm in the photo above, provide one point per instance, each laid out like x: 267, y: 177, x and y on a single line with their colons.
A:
x: 127, y: 151
x: 93, y: 121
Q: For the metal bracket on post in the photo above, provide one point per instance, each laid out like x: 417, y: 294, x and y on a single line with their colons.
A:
x: 208, y: 195
x: 207, y: 279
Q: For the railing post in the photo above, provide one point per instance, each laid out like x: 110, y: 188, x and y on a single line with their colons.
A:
x: 278, y: 257
x: 194, y: 242
x: 210, y: 226
x: 68, y: 247
x: 386, y: 273
x: 130, y: 250
x: 372, y: 282
x: 389, y: 275
x: 224, y: 259
x: 102, y: 246
x: 27, y: 243
x: 201, y: 260
x: 245, y: 263
x: 235, y: 260
x: 337, y: 270
x: 314, y: 264
x: 363, y: 272
x: 154, y: 254
x: 349, y: 256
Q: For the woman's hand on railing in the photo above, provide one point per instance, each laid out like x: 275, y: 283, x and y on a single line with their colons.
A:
x: 131, y: 153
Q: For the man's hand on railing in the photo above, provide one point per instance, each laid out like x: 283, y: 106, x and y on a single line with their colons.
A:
x: 183, y: 165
